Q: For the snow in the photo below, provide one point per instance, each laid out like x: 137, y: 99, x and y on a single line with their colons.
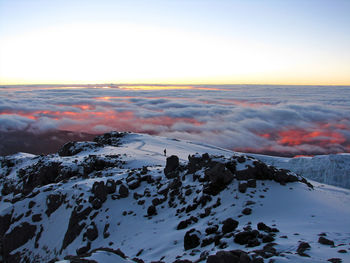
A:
x: 333, y: 169
x: 299, y: 212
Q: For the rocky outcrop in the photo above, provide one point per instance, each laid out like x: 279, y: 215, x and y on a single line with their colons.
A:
x: 171, y: 167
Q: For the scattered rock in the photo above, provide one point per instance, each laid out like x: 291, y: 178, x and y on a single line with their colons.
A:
x: 36, y: 218
x: 229, y: 225
x: 244, y: 237
x: 151, y: 210
x: 242, y: 187
x: 247, y: 211
x: 325, y: 241
x: 123, y: 191
x: 303, y: 246
x: 92, y: 232
x: 191, y: 239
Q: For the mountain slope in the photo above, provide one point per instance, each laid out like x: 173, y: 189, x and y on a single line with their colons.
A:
x: 119, y: 199
x: 333, y: 169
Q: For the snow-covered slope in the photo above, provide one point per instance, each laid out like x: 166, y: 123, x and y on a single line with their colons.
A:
x: 333, y: 169
x: 119, y: 199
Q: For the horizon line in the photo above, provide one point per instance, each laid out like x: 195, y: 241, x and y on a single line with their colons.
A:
x: 166, y: 84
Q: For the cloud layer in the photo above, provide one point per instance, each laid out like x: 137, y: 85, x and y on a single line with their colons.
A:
x: 284, y: 120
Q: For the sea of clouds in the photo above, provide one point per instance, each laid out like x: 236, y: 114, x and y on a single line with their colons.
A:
x: 282, y: 120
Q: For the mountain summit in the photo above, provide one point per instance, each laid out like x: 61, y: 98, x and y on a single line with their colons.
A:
x: 120, y: 199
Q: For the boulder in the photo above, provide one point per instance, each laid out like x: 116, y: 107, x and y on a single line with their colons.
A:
x: 242, y: 187
x: 100, y: 191
x: 219, y: 174
x: 325, y: 241
x: 171, y: 167
x: 123, y: 191
x: 303, y: 246
x: 229, y: 225
x: 151, y: 210
x: 191, y: 239
x: 111, y: 186
x: 244, y: 237
x: 92, y: 232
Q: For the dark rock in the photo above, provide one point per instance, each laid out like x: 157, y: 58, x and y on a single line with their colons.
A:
x: 303, y: 246
x: 335, y: 260
x: 151, y: 210
x: 263, y: 227
x: 69, y: 149
x: 156, y: 201
x: 251, y: 183
x: 5, y: 223
x: 244, y: 237
x: 183, y: 224
x: 53, y: 202
x: 111, y: 186
x: 182, y: 261
x: 123, y: 191
x: 191, y: 239
x: 31, y: 204
x: 100, y: 191
x: 242, y: 187
x: 325, y: 241
x: 207, y: 241
x: 111, y: 138
x: 175, y: 184
x: 106, y: 234
x: 92, y: 232
x: 36, y: 243
x: 253, y: 242
x: 138, y: 260
x: 171, y: 167
x: 246, y: 211
x: 229, y: 225
x: 75, y: 226
x: 134, y: 184
x: 36, y: 218
x: 188, y: 192
x: 223, y: 257
x: 20, y: 235
x: 219, y: 174
x: 83, y: 250
x: 41, y: 174
x: 96, y: 203
x: 212, y: 229
x: 267, y: 238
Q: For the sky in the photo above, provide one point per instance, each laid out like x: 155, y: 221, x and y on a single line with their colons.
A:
x: 175, y: 42
x: 278, y: 120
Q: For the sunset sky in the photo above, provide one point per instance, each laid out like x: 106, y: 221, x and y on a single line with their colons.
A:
x: 213, y: 42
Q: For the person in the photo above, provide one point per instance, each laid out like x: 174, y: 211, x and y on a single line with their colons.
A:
x: 164, y: 152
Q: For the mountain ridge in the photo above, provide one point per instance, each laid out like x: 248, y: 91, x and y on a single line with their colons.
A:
x: 119, y: 199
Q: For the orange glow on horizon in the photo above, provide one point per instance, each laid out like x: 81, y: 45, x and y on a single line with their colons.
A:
x: 296, y: 137
x: 170, y: 87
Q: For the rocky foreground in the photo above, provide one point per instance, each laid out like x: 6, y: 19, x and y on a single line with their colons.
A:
x: 118, y: 199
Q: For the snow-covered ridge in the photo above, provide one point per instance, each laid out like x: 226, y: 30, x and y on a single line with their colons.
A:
x: 333, y: 169
x: 119, y: 199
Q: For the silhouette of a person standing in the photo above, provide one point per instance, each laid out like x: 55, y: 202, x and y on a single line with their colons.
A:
x: 164, y: 152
